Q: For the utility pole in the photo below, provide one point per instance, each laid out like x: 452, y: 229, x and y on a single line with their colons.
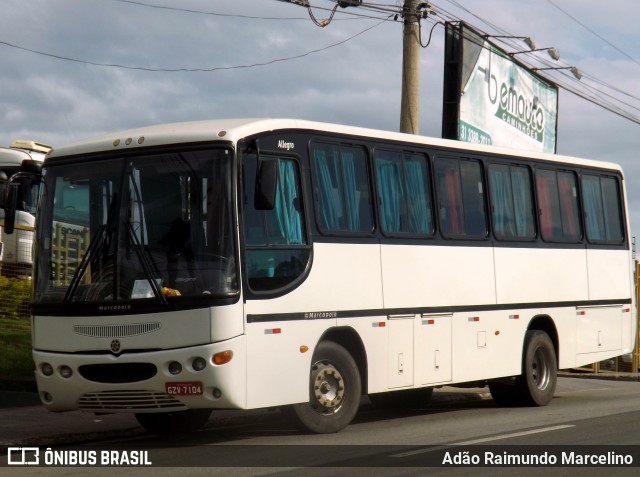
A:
x: 410, y: 103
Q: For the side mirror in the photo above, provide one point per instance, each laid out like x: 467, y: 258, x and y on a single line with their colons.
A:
x: 10, y: 205
x: 4, y: 182
x: 266, y: 181
x: 31, y: 166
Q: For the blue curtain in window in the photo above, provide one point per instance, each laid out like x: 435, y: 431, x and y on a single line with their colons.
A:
x: 350, y: 192
x: 521, y: 193
x: 501, y: 202
x: 593, y: 208
x: 418, y: 209
x: 287, y: 204
x: 390, y: 190
x: 328, y: 209
x: 611, y: 209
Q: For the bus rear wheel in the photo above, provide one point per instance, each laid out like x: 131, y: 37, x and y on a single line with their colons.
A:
x: 334, y: 391
x: 174, y: 424
x: 537, y: 384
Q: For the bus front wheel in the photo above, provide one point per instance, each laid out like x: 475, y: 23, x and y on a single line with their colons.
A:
x: 334, y: 391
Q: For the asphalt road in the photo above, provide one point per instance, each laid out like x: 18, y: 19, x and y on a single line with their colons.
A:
x: 587, y: 417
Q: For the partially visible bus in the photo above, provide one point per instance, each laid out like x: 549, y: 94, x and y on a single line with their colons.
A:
x: 16, y: 251
x: 259, y: 263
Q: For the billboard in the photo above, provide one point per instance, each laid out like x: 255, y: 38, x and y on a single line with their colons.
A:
x: 490, y: 98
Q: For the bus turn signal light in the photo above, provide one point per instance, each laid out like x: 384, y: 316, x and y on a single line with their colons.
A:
x: 222, y: 358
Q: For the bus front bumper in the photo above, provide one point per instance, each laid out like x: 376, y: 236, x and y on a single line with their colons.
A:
x: 206, y: 376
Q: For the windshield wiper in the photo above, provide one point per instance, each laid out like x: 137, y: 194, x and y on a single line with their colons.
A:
x: 100, y: 241
x: 147, y: 264
x: 96, y: 244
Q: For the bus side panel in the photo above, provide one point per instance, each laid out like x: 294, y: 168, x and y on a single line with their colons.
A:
x: 277, y: 365
x: 373, y: 331
x: 611, y: 328
x: 437, y: 276
x: 342, y: 277
x: 545, y: 276
x: 488, y: 344
x: 608, y: 274
x: 540, y: 275
x: 427, y: 276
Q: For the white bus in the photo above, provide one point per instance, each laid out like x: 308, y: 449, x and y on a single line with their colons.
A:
x: 279, y: 263
x: 16, y: 247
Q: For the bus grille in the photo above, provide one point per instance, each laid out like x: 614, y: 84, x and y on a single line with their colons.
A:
x: 127, y: 400
x: 115, y: 331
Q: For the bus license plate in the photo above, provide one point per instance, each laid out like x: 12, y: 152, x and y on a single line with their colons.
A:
x: 183, y: 389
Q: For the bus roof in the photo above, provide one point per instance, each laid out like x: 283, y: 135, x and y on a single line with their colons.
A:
x: 233, y: 130
x: 21, y: 150
x: 12, y: 157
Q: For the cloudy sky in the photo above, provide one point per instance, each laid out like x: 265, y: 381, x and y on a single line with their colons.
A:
x: 77, y: 68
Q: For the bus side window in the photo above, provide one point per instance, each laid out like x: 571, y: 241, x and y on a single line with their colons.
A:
x: 460, y: 192
x: 602, y: 209
x: 511, y: 202
x: 403, y: 193
x: 558, y: 206
x: 276, y: 246
x: 341, y: 184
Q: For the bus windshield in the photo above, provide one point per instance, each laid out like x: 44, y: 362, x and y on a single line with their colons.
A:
x: 156, y: 226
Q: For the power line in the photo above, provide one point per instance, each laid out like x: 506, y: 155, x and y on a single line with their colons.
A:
x: 191, y: 70
x: 353, y: 16
x: 619, y: 50
x: 201, y: 12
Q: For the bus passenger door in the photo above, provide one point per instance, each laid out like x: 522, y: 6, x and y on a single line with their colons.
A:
x: 433, y: 348
x: 400, y: 367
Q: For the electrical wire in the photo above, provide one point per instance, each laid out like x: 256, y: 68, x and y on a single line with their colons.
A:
x: 593, y: 89
x: 351, y: 15
x: 596, y: 34
x: 192, y: 70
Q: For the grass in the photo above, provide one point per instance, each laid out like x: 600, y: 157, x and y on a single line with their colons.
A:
x: 15, y: 349
x: 15, y: 330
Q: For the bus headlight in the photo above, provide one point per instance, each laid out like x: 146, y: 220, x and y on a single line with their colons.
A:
x: 46, y: 369
x: 199, y: 364
x: 65, y: 371
x: 175, y: 367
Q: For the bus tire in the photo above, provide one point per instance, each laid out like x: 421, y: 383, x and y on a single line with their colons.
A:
x: 334, y: 391
x: 537, y: 383
x: 174, y: 424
